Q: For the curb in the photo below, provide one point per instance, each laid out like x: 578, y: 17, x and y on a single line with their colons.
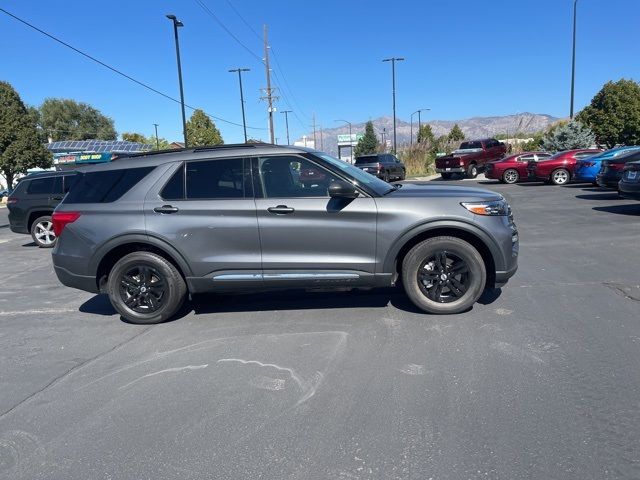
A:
x: 424, y: 179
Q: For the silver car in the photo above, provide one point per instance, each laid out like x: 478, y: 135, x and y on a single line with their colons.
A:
x: 151, y: 228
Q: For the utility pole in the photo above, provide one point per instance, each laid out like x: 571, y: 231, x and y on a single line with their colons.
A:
x: 573, y: 57
x: 393, y: 61
x: 286, y: 121
x: 157, y: 141
x: 268, y: 91
x: 315, y: 145
x: 177, y: 23
x: 244, y: 121
x: 321, y: 139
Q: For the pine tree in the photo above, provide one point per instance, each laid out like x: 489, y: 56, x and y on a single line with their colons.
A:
x: 202, y: 131
x: 456, y: 134
x: 425, y: 134
x: 20, y: 147
x: 568, y: 137
x: 368, y: 143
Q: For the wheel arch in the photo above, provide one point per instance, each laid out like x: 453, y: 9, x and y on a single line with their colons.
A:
x: 34, y: 214
x: 479, y: 239
x: 104, y: 260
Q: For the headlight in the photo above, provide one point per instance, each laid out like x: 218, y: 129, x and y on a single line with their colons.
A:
x: 499, y: 207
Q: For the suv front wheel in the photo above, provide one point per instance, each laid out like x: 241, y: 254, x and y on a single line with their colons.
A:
x: 443, y: 275
x: 42, y: 232
x: 145, y: 288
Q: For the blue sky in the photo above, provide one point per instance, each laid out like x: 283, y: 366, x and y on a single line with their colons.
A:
x: 464, y: 58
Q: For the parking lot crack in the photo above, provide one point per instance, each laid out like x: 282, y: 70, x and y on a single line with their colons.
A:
x: 630, y: 292
x: 72, y: 370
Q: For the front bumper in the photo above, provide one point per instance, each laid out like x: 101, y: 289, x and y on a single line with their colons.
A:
x: 503, y: 276
x: 607, y: 182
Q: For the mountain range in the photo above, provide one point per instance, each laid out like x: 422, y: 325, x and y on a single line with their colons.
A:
x: 475, y: 127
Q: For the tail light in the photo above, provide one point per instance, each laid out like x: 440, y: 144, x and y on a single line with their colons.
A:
x: 586, y: 164
x: 379, y: 166
x: 616, y: 166
x: 11, y: 201
x: 62, y: 219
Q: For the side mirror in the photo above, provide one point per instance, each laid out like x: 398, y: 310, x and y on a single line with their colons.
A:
x: 340, y: 189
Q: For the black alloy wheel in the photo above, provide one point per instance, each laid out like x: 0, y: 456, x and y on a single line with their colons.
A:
x: 443, y: 277
x: 143, y: 289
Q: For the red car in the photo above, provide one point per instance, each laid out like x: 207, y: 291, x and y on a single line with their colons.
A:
x: 559, y: 169
x: 513, y: 168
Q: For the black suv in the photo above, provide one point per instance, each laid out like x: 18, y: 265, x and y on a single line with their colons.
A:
x: 151, y: 229
x: 383, y: 165
x: 33, y: 201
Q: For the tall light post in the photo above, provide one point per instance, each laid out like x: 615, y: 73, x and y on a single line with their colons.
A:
x: 157, y: 141
x: 573, y: 57
x: 286, y: 121
x: 177, y: 23
x: 350, y: 138
x: 244, y: 121
x: 393, y: 61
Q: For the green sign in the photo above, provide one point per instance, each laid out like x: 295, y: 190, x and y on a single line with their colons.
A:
x: 353, y: 138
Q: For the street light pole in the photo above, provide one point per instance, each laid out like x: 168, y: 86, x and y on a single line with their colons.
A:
x: 350, y: 138
x: 177, y: 23
x: 244, y: 122
x: 157, y: 141
x: 418, y: 112
x: 573, y: 57
x: 286, y: 121
x: 393, y: 61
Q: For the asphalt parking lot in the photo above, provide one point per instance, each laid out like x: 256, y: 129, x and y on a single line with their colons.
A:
x: 541, y: 379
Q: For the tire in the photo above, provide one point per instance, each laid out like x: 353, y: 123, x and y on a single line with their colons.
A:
x: 132, y: 294
x: 421, y: 265
x: 446, y: 176
x: 510, y: 176
x: 472, y: 171
x: 561, y: 176
x: 42, y: 232
x: 385, y: 177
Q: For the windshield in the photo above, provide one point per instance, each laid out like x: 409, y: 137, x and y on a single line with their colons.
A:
x: 380, y: 187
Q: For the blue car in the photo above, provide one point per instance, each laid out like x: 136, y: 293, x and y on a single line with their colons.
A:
x: 587, y: 168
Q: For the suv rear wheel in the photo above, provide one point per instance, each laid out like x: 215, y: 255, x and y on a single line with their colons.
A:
x: 145, y: 288
x: 42, y: 232
x: 443, y: 275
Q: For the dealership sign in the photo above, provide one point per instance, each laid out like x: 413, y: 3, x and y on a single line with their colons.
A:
x: 80, y: 158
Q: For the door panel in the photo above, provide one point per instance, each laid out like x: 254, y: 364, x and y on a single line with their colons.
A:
x: 214, y: 234
x: 316, y: 232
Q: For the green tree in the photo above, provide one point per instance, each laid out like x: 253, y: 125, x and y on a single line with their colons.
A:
x: 368, y: 143
x: 425, y: 134
x: 20, y: 148
x: 456, y: 134
x: 161, y: 144
x: 567, y: 136
x: 135, y: 137
x: 614, y: 113
x: 66, y: 119
x: 201, y: 131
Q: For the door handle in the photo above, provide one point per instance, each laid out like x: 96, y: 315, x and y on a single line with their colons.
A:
x: 280, y: 210
x: 57, y: 198
x: 166, y: 209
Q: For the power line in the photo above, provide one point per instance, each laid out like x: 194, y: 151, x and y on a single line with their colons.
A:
x: 224, y: 27
x: 244, y: 21
x: 275, y: 57
x: 115, y: 70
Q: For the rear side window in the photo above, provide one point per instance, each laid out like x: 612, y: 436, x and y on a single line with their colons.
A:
x: 41, y: 186
x: 105, y: 186
x: 174, y: 189
x: 212, y: 179
x: 69, y: 181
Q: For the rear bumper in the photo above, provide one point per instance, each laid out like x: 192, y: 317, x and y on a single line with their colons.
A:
x: 450, y: 170
x: 81, y: 282
x: 629, y: 190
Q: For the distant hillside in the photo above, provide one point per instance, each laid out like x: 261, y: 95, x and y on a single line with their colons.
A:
x: 476, y: 127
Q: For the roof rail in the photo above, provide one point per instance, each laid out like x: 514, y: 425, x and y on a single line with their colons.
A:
x: 195, y: 149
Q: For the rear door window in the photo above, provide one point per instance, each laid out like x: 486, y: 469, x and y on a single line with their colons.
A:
x: 105, y: 186
x: 217, y: 179
x: 41, y: 186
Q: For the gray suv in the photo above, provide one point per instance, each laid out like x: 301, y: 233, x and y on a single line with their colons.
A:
x: 152, y: 228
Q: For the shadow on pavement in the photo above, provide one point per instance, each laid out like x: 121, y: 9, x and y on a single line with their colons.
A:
x: 632, y: 209
x: 207, y: 303
x: 601, y: 196
x: 30, y: 244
